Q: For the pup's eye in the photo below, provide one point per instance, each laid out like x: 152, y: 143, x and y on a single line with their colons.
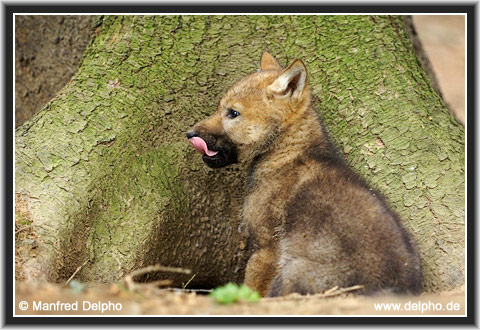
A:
x: 232, y: 113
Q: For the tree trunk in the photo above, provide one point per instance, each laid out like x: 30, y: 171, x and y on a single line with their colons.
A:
x: 108, y: 175
x: 48, y: 50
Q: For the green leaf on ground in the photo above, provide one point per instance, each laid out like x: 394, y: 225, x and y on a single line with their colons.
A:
x: 232, y: 293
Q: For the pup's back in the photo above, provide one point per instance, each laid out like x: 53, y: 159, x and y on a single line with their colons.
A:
x: 340, y: 233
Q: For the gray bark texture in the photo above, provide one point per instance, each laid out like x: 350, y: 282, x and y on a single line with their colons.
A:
x: 105, y: 174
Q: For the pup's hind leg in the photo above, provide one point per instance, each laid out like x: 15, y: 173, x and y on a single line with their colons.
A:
x: 303, y: 276
x: 282, y: 286
x: 277, y: 288
x: 261, y: 269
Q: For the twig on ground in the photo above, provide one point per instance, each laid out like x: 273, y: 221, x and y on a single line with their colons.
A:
x: 335, y: 291
x: 131, y: 285
x: 23, y: 228
x: 331, y: 290
x: 187, y: 290
x: 184, y: 286
x: 75, y: 272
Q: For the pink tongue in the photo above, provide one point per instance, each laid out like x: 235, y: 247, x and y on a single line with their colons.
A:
x: 201, y: 146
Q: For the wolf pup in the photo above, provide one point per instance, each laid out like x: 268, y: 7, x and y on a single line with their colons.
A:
x: 315, y: 224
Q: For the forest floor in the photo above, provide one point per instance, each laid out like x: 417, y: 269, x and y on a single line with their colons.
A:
x: 117, y: 299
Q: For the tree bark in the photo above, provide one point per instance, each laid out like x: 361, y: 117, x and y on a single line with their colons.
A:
x: 48, y: 50
x: 109, y: 177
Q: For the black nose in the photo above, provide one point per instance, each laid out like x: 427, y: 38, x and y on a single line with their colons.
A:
x: 191, y: 134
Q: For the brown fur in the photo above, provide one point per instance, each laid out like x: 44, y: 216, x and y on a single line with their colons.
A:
x: 315, y: 223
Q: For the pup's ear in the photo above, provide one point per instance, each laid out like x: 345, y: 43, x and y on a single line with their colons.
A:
x: 268, y: 62
x: 292, y: 81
